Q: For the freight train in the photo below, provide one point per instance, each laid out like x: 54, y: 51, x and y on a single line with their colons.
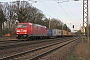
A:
x: 31, y: 31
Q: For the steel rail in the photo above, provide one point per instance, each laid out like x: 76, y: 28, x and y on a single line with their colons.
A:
x: 22, y: 53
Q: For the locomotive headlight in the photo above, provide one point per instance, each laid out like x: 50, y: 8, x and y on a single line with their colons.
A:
x: 17, y: 33
x: 25, y: 33
x: 24, y: 30
x: 18, y: 30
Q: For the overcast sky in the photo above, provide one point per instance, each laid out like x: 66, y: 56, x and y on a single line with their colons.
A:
x: 68, y: 12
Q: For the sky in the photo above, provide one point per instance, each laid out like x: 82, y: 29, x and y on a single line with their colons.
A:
x: 70, y: 13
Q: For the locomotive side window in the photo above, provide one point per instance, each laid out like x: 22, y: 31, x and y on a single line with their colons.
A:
x: 22, y: 26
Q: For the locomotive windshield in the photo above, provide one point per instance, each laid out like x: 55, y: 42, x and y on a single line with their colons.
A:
x: 22, y: 26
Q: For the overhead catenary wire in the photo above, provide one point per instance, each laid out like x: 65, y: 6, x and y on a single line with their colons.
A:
x: 47, y: 7
x: 63, y: 1
x: 58, y: 4
x: 69, y: 8
x: 63, y: 9
x: 39, y: 9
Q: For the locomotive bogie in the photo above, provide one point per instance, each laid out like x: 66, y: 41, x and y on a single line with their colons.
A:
x: 21, y: 36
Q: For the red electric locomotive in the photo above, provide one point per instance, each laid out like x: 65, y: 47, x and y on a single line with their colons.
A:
x: 30, y: 30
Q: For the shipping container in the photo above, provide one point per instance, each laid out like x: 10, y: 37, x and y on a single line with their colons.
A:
x: 54, y: 32
x: 59, y: 32
x: 63, y: 32
x: 69, y: 33
x: 49, y: 32
x: 66, y: 32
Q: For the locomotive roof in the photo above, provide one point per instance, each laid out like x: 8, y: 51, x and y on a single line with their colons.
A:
x: 33, y: 24
x: 26, y: 23
x: 39, y: 25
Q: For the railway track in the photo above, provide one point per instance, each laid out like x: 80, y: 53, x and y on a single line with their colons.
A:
x: 33, y: 54
x: 13, y: 44
x: 13, y: 50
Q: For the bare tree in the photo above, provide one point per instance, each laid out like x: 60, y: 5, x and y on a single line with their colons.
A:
x: 2, y: 18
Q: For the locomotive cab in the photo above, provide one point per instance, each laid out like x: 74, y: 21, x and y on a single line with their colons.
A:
x: 22, y: 30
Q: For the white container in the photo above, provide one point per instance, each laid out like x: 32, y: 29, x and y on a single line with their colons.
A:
x: 59, y: 32
x: 54, y: 32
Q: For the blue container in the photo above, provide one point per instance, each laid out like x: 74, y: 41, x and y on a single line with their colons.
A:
x: 49, y: 32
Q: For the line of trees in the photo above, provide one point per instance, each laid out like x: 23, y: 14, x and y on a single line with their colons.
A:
x: 23, y: 11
